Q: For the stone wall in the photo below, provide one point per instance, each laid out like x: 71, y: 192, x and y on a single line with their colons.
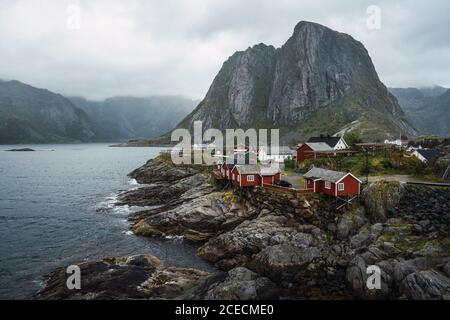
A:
x: 308, y: 208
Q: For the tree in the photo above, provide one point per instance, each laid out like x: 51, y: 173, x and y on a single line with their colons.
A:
x: 352, y: 138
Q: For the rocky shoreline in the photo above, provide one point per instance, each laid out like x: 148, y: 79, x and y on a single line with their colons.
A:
x: 271, y: 245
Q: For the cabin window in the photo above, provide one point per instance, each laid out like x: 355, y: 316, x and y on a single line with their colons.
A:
x: 341, y: 187
x: 250, y: 178
x: 233, y: 176
x: 239, y: 178
x: 327, y: 185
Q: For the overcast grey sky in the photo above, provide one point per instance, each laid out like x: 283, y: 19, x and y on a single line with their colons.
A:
x: 177, y: 47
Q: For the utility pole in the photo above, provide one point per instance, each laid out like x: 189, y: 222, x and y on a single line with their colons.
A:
x: 367, y: 164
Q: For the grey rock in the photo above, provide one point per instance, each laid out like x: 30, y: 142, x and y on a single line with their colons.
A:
x: 425, y: 285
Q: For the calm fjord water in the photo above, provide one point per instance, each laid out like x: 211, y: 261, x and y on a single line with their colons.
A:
x: 56, y: 208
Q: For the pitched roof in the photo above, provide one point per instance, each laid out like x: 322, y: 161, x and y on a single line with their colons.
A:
x: 331, y: 141
x: 319, y: 146
x: 429, y: 154
x: 248, y: 169
x: 326, y: 175
x: 257, y: 169
x: 269, y: 171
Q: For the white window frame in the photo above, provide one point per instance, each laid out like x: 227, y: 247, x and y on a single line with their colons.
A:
x: 327, y: 185
x: 250, y: 178
x: 341, y: 186
x: 233, y: 177
x: 239, y: 178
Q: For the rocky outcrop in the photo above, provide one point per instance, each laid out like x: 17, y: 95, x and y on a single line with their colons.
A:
x: 425, y: 285
x: 290, y: 242
x: 270, y: 243
x: 236, y: 284
x: 143, y: 277
x: 381, y: 197
x: 411, y: 247
x: 186, y: 203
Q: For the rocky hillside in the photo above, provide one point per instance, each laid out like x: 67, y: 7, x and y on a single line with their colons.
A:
x: 319, y: 81
x: 31, y: 115
x: 428, y: 109
x: 270, y: 245
x: 124, y: 118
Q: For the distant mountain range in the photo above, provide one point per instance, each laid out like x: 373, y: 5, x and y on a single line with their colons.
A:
x: 428, y: 109
x: 319, y: 81
x: 32, y: 115
x: 127, y: 118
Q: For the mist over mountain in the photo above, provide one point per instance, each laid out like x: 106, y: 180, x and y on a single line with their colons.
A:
x: 123, y: 118
x: 319, y: 81
x: 32, y: 115
x: 428, y: 109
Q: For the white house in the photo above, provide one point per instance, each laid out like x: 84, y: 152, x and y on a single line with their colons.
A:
x: 399, y: 143
x: 335, y: 143
x: 283, y: 153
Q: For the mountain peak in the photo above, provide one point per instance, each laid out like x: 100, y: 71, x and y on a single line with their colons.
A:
x: 304, y: 25
x: 318, y: 73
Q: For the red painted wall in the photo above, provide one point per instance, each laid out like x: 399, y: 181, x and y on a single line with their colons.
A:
x: 271, y: 179
x: 330, y: 192
x: 309, y: 184
x: 244, y: 182
x: 352, y: 187
x: 303, y: 154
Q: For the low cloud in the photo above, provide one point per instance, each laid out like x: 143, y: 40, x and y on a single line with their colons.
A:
x: 177, y: 47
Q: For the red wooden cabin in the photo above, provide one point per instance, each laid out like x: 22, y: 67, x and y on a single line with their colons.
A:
x: 254, y: 175
x: 333, y: 183
x: 311, y: 150
x: 246, y: 176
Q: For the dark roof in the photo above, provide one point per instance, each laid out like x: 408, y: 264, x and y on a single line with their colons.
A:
x: 319, y: 146
x: 331, y: 141
x: 429, y: 154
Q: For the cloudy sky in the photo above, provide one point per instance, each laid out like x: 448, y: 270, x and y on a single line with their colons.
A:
x: 103, y: 48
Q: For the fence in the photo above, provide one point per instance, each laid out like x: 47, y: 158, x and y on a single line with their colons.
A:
x: 287, y: 190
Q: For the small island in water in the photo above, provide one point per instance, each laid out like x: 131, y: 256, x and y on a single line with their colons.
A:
x: 21, y: 150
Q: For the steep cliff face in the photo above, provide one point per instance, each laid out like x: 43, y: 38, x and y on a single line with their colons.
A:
x: 320, y: 80
x: 239, y: 94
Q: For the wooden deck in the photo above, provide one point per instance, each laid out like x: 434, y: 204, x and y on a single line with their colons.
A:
x: 291, y: 190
